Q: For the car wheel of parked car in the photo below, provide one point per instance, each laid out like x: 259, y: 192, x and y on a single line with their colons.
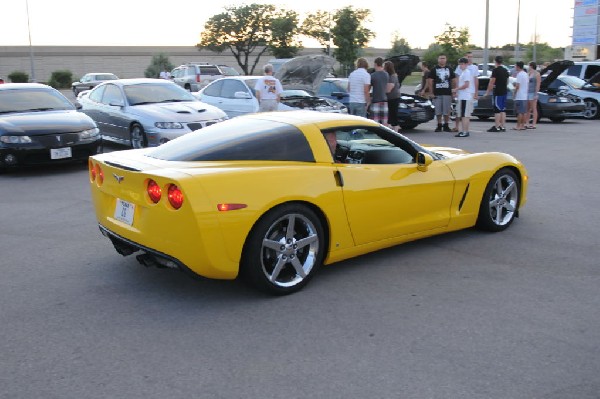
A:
x: 283, y: 250
x: 409, y: 125
x: 138, y: 136
x: 188, y: 87
x: 500, y: 201
x: 591, y: 108
x: 483, y: 117
x: 557, y: 120
x: 75, y: 92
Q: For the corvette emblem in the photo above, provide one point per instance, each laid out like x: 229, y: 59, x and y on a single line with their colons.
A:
x: 58, y: 138
x: 118, y: 178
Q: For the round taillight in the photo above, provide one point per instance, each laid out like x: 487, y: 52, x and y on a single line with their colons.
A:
x: 154, y: 191
x: 175, y: 196
x: 92, y: 171
x: 100, y: 174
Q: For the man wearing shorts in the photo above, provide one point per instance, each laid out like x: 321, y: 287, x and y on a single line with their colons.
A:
x: 464, y: 98
x: 440, y: 82
x: 499, y: 85
x: 520, y: 95
x: 380, y: 82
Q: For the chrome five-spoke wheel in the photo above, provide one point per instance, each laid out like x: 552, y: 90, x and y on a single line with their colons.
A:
x: 500, y: 201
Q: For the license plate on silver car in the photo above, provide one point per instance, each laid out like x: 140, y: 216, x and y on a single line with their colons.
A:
x: 60, y: 153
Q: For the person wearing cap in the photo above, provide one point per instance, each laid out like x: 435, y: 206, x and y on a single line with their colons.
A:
x: 464, y: 98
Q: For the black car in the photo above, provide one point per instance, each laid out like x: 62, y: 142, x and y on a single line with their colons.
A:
x: 39, y: 125
x: 412, y: 110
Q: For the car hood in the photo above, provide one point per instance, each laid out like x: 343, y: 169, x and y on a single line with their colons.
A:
x: 39, y: 123
x: 180, y: 112
x: 305, y: 72
x: 404, y: 65
x: 447, y: 152
x: 552, y: 71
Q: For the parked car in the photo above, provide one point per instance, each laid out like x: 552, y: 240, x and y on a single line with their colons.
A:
x: 91, y: 80
x: 355, y: 186
x: 39, y: 125
x: 556, y: 105
x: 194, y: 76
x: 146, y: 112
x: 579, y: 87
x: 583, y: 69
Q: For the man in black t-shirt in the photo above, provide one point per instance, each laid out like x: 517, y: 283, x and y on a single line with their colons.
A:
x: 440, y: 82
x: 499, y: 85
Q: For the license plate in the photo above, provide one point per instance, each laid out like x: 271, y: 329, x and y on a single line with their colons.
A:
x: 124, y: 211
x: 60, y: 153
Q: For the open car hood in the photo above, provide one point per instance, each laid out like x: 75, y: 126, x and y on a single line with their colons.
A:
x: 404, y: 65
x: 553, y: 71
x: 305, y: 72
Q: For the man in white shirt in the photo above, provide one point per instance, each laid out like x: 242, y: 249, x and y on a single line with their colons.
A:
x: 165, y: 74
x: 268, y: 90
x: 359, y: 85
x: 520, y: 95
x: 473, y: 87
x: 464, y: 98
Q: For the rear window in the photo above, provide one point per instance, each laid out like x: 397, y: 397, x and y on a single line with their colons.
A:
x: 239, y: 139
x: 209, y: 70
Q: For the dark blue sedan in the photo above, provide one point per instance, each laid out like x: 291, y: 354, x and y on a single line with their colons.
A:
x: 38, y: 125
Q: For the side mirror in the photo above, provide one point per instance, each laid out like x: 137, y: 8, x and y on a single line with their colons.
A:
x: 423, y: 161
x: 242, y: 95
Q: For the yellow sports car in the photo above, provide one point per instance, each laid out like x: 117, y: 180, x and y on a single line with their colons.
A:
x: 272, y: 196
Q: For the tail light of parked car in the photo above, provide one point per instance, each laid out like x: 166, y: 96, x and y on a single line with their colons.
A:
x: 96, y: 173
x: 154, y: 191
x: 174, y: 194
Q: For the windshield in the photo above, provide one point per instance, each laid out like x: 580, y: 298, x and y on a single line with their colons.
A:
x: 573, y: 81
x: 32, y: 99
x: 150, y: 93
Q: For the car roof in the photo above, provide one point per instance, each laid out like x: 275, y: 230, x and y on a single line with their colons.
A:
x: 303, y: 117
x: 135, y: 81
x: 11, y: 86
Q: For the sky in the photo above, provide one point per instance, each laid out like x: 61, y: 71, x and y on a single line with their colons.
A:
x: 149, y: 23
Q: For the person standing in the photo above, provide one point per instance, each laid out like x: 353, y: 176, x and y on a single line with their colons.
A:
x: 464, y: 98
x: 520, y: 95
x: 499, y: 87
x: 393, y: 97
x: 380, y: 82
x: 535, y: 80
x: 424, y: 75
x: 165, y: 74
x: 268, y: 90
x: 473, y: 87
x: 440, y: 82
x: 359, y: 84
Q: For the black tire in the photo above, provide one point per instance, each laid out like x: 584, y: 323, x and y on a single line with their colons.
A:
x: 556, y: 120
x: 408, y: 125
x: 188, y: 87
x: 500, y: 201
x: 483, y: 117
x: 591, y: 109
x: 138, y: 136
x: 278, y: 261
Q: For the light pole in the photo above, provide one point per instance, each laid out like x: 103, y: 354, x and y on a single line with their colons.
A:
x: 32, y: 79
x: 486, y: 47
x: 518, y: 23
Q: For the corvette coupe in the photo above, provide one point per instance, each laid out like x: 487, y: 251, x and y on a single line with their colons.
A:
x: 271, y: 197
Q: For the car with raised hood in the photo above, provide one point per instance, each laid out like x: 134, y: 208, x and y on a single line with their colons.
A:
x: 146, y: 112
x: 270, y: 197
x: 586, y: 90
x: 300, y: 78
x: 91, y: 80
x: 556, y: 105
x: 38, y: 125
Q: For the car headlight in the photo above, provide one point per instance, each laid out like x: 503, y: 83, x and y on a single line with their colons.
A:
x: 558, y: 100
x: 89, y: 133
x: 168, y: 125
x: 15, y: 139
x: 403, y: 105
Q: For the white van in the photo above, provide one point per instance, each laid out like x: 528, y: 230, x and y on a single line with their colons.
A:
x: 583, y: 69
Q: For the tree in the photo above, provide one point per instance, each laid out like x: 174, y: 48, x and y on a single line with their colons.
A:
x: 243, y: 30
x: 349, y: 34
x: 543, y: 52
x: 319, y: 26
x: 159, y: 63
x: 284, y: 29
x: 399, y: 46
x: 453, y: 42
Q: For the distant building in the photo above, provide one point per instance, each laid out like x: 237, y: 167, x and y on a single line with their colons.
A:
x: 585, y: 43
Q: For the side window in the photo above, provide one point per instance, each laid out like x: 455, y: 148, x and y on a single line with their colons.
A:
x: 209, y: 70
x: 214, y: 90
x: 96, y: 94
x: 367, y: 146
x: 591, y: 70
x: 325, y: 89
x: 86, y: 78
x: 230, y: 86
x: 112, y: 94
x: 574, y: 70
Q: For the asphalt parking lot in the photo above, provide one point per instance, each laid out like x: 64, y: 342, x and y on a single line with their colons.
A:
x: 464, y: 315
